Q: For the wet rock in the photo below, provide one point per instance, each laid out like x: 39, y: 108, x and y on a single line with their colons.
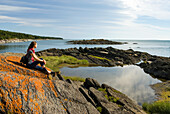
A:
x: 158, y: 67
x: 119, y: 63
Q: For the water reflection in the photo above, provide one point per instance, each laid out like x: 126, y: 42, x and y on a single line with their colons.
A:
x: 131, y: 80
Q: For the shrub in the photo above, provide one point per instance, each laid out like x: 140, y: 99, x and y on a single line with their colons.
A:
x: 157, y: 107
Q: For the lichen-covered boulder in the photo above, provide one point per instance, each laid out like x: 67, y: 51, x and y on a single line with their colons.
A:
x: 25, y: 90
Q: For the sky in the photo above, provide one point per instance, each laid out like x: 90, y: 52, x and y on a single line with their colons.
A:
x: 76, y: 19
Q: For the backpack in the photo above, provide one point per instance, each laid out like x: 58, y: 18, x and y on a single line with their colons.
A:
x: 24, y: 59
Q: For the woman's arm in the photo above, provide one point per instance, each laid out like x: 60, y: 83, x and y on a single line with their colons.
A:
x: 37, y: 59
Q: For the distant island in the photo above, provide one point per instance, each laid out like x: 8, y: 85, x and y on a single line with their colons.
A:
x: 7, y: 36
x: 96, y: 42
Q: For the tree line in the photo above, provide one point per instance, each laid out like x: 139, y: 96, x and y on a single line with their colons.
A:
x: 12, y: 35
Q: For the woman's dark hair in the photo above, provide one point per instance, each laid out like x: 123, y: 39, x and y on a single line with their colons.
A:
x: 31, y: 45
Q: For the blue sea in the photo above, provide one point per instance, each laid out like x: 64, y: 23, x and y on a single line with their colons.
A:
x: 154, y: 47
x: 131, y: 80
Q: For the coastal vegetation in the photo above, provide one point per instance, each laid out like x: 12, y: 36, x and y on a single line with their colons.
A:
x: 97, y: 57
x: 163, y: 104
x: 74, y: 78
x: 7, y: 35
x: 56, y: 62
x: 162, y: 107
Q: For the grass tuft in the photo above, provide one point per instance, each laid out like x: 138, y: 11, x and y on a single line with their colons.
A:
x: 74, y: 78
x: 99, y: 109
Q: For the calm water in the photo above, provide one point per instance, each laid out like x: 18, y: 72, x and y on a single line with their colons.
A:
x: 130, y: 80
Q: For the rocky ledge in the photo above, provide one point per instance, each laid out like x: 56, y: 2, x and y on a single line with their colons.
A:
x: 156, y: 66
x: 96, y: 41
x: 24, y: 90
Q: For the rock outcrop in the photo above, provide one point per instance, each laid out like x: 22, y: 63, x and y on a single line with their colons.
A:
x: 156, y: 66
x: 99, y: 56
x: 24, y: 90
x: 96, y: 42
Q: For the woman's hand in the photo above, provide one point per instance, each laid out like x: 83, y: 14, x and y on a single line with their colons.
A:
x: 44, y: 61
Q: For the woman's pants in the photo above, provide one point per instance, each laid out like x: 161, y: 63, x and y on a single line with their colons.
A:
x: 35, y: 65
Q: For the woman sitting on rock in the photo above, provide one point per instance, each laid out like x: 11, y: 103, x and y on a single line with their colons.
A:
x: 34, y: 64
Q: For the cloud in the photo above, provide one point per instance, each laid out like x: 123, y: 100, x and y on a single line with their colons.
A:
x: 158, y: 9
x: 15, y: 8
x: 104, y: 17
x: 26, y: 21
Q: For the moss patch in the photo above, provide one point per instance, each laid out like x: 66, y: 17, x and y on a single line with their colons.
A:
x: 109, y: 98
x: 99, y: 109
x: 116, y: 91
x: 54, y: 62
x: 102, y: 58
x: 103, y: 90
x: 74, y: 78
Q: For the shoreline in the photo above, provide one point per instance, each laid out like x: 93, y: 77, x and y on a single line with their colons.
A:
x: 115, y: 57
x: 158, y: 87
x: 21, y: 40
x: 102, y: 57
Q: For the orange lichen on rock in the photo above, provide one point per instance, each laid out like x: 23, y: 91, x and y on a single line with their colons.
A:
x: 15, y: 66
x: 19, y: 84
x: 52, y: 87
